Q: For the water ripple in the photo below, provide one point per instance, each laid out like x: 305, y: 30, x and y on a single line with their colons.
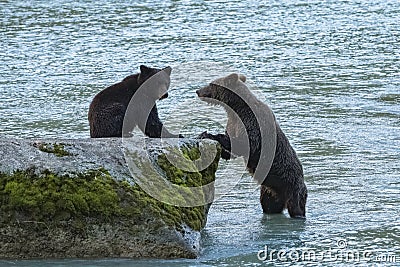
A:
x: 328, y: 69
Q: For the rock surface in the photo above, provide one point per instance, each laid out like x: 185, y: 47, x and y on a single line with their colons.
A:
x: 77, y: 198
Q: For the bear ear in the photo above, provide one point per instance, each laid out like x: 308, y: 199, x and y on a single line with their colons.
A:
x: 242, y: 77
x: 168, y: 70
x: 233, y: 77
x: 144, y: 69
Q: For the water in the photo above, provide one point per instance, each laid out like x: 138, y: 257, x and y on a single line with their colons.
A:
x: 328, y: 69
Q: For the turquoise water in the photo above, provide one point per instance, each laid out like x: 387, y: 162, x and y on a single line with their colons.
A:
x: 328, y: 69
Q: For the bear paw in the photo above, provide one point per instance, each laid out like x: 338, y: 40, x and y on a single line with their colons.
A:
x: 205, y: 135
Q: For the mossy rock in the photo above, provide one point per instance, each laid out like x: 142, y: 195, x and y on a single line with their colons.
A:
x: 55, y: 148
x: 55, y: 203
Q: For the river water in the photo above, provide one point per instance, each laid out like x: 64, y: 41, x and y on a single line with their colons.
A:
x: 328, y: 69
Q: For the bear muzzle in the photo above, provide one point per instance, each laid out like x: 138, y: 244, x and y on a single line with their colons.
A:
x: 163, y: 96
x: 202, y: 93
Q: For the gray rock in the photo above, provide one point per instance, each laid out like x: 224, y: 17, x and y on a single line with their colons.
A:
x: 81, y: 198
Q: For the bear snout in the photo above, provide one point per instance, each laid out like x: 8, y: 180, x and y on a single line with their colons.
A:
x: 202, y: 93
x: 163, y: 96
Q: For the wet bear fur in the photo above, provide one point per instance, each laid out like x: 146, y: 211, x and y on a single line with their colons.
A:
x: 283, y: 186
x: 108, y: 108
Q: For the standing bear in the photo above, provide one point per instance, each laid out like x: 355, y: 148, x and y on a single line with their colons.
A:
x: 252, y: 132
x: 109, y: 115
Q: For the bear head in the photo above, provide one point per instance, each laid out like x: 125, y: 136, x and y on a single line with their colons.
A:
x: 154, y: 83
x: 228, y: 90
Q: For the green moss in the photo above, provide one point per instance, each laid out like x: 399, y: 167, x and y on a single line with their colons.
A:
x: 56, y: 149
x: 52, y: 198
x: 43, y: 197
x: 195, y: 217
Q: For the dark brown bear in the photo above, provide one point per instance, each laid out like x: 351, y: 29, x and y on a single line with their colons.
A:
x: 109, y: 107
x: 252, y: 132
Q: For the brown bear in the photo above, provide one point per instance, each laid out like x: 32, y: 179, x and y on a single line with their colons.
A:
x: 252, y: 132
x: 108, y: 108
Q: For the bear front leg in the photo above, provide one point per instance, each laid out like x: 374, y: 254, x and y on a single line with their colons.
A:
x: 223, y: 139
x: 154, y: 127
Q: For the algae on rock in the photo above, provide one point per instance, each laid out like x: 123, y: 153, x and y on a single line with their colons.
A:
x: 56, y: 149
x: 87, y: 204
